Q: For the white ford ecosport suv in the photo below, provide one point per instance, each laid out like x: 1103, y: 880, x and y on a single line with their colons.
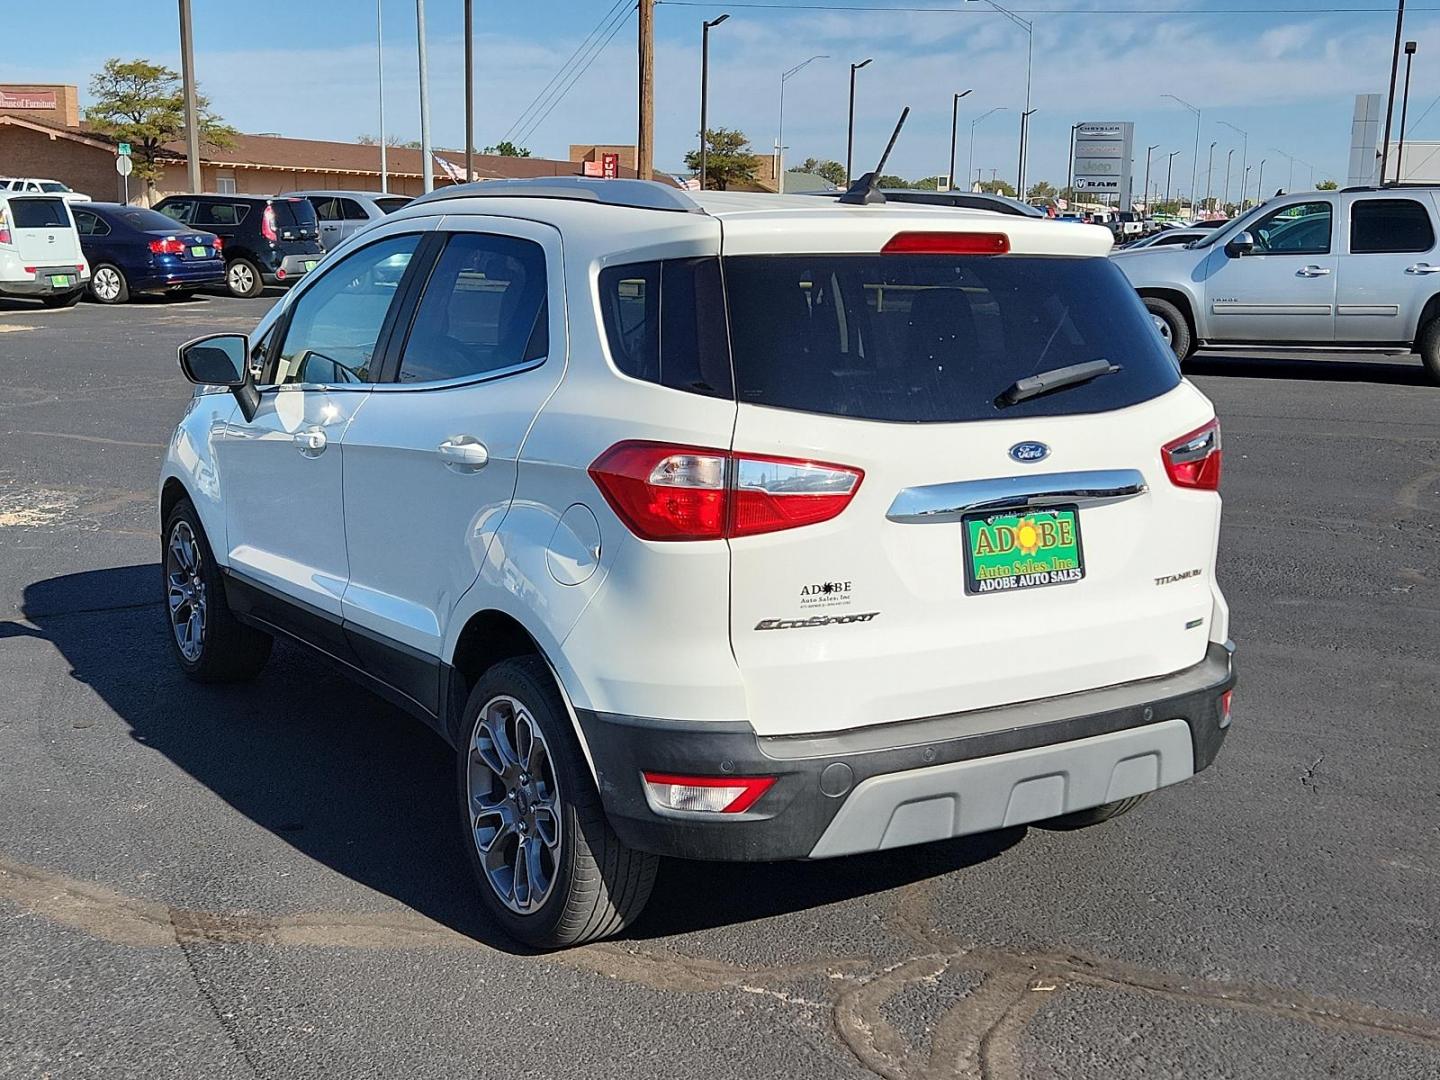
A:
x: 717, y: 526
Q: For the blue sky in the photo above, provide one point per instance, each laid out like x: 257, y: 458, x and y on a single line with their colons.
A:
x: 307, y: 68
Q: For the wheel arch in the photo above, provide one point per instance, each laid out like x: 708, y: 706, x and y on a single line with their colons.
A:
x: 1180, y: 299
x: 1428, y: 314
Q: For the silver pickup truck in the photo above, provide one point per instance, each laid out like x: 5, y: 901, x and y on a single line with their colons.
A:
x: 1356, y: 269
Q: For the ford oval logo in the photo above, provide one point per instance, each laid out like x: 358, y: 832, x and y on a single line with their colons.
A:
x: 1029, y: 451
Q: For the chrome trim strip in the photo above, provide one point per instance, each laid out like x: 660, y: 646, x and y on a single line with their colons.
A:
x: 938, y: 503
x: 1368, y: 309
x: 1221, y: 307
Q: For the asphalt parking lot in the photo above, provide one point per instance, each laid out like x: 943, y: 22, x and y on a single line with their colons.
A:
x: 266, y: 881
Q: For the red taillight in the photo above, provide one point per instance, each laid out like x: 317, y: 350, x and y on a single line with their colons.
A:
x: 219, y: 243
x: 168, y: 246
x: 705, y: 794
x: 947, y: 243
x: 5, y: 235
x: 1193, y: 460
x: 267, y: 225
x: 667, y: 492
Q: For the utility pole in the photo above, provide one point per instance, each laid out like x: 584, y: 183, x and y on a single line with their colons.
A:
x: 1149, y: 206
x: 705, y: 99
x: 850, y: 126
x: 469, y: 90
x: 427, y: 166
x: 645, y: 140
x: 192, y: 114
x: 1410, y: 48
x: 1390, y: 101
x: 780, y: 133
x: 380, y: 73
x: 954, y: 118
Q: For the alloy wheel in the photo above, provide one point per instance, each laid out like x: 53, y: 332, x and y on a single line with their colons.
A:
x: 185, y: 591
x: 514, y: 804
x: 241, y: 278
x: 106, y: 284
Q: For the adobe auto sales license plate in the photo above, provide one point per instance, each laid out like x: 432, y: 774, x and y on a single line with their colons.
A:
x: 1022, y: 550
x: 59, y: 281
x: 198, y: 252
x: 309, y: 265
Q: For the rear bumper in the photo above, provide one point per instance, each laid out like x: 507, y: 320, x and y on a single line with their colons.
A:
x: 291, y: 268
x: 919, y: 780
x: 40, y: 285
x: 192, y: 273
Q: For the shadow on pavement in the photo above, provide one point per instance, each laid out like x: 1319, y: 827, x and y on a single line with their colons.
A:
x: 1393, y: 371
x: 366, y: 790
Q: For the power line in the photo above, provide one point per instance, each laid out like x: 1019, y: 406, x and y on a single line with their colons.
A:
x: 622, y: 16
x: 537, y: 103
x: 1328, y: 10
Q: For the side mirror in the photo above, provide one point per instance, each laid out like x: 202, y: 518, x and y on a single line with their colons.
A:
x: 1242, y: 243
x: 222, y: 360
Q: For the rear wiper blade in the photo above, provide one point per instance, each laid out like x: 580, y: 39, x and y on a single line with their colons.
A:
x: 1048, y: 381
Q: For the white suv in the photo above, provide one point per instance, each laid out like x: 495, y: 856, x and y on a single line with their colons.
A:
x: 722, y: 527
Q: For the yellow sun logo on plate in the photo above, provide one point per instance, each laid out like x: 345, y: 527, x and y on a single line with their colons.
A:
x: 1027, y: 536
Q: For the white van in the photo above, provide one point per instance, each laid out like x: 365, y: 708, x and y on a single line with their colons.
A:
x: 40, y: 252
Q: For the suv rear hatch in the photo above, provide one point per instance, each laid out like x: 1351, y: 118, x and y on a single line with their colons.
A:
x: 296, y: 228
x: 991, y: 552
x: 43, y: 232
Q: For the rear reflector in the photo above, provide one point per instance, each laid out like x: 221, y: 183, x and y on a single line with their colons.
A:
x: 1225, y: 700
x: 1193, y: 460
x: 947, y: 243
x: 666, y: 492
x: 705, y: 794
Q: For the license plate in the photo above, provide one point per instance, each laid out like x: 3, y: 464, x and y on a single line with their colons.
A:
x: 59, y: 281
x: 309, y: 265
x: 199, y: 252
x: 1022, y: 549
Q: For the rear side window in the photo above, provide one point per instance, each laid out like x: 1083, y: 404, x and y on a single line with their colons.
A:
x: 392, y: 204
x: 326, y: 209
x: 221, y: 213
x: 146, y: 220
x: 183, y: 211
x: 937, y: 338
x: 665, y: 323
x: 1389, y: 226
x: 484, y: 309
x: 39, y: 214
x: 351, y: 210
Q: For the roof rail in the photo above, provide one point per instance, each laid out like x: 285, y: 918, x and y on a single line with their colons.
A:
x: 637, y: 194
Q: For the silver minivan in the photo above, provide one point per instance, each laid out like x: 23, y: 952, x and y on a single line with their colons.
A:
x: 342, y: 213
x: 1352, y: 269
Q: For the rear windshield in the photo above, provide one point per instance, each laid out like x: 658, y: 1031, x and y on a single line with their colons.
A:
x: 294, y: 212
x: 147, y: 220
x: 936, y: 338
x: 390, y: 205
x: 52, y: 185
x: 39, y: 213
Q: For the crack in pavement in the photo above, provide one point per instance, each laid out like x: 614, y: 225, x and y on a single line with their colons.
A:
x: 978, y: 1038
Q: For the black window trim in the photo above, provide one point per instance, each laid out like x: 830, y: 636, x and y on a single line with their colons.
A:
x: 426, y: 252
x: 389, y: 380
x: 1429, y: 220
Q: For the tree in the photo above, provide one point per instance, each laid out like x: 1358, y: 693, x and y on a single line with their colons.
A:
x: 1043, y: 189
x: 890, y: 180
x: 366, y: 139
x: 506, y: 148
x: 928, y: 183
x: 728, y: 161
x: 1326, y: 185
x: 997, y: 187
x: 144, y: 104
x: 826, y: 170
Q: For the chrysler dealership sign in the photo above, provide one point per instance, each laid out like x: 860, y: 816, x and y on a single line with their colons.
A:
x: 1104, y: 157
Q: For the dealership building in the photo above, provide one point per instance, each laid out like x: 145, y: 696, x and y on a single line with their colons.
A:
x: 43, y: 134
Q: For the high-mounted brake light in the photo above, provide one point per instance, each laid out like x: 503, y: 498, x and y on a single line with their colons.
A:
x: 667, y: 492
x: 707, y: 794
x: 267, y: 225
x: 1193, y: 460
x: 947, y: 243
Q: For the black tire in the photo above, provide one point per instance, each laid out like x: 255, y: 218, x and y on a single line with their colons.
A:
x: 598, y: 885
x: 101, y: 278
x: 242, y: 278
x: 229, y: 651
x: 1083, y: 819
x: 1177, y: 328
x: 1429, y: 348
x: 62, y: 300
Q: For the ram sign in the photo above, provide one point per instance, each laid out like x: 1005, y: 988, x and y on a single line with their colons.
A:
x: 1104, y: 158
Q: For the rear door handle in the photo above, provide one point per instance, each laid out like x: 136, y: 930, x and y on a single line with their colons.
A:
x: 463, y: 453
x: 311, y: 442
x: 1313, y: 271
x: 1422, y: 268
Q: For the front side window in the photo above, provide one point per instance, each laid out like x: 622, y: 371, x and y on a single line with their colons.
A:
x: 336, y: 323
x: 1390, y: 226
x: 665, y: 324
x: 484, y: 309
x: 1300, y: 229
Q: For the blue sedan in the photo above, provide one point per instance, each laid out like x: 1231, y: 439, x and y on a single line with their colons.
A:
x: 133, y: 250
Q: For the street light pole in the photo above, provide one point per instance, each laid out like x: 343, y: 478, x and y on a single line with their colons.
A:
x: 1229, y: 157
x: 1024, y: 136
x: 1169, y: 169
x: 1260, y: 183
x: 1410, y: 48
x: 1029, y: 29
x: 380, y: 73
x: 705, y: 94
x: 954, y: 120
x: 427, y: 166
x: 1195, y: 161
x: 1289, y: 183
x: 850, y: 127
x: 1070, y: 169
x: 973, y: 123
x: 1244, y: 157
x: 192, y: 112
x: 1210, y: 176
x: 780, y: 134
x: 1390, y: 101
x: 1149, y: 209
x: 1244, y: 189
x: 469, y: 90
